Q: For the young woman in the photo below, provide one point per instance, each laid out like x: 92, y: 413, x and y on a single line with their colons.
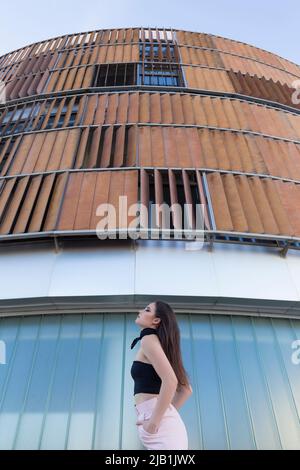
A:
x: 161, y: 384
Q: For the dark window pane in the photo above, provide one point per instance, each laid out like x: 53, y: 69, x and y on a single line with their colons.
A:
x: 130, y: 74
x: 7, y: 116
x: 72, y: 119
x: 115, y: 75
x: 19, y: 127
x: 120, y: 75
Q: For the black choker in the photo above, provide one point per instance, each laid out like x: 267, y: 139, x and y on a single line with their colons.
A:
x: 145, y: 331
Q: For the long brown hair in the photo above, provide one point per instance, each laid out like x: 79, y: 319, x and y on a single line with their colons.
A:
x: 169, y: 335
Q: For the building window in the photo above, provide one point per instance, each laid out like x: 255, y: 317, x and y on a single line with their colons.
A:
x: 39, y: 119
x: 185, y: 191
x: 15, y: 120
x: 74, y: 112
x: 115, y: 75
x: 160, y: 74
x: 110, y: 147
x: 159, y: 52
x: 35, y: 116
x: 5, y: 121
x: 5, y: 150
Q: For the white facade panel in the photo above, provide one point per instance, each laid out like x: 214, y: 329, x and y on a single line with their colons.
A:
x: 152, y: 268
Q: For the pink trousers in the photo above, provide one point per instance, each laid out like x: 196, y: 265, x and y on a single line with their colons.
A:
x: 171, y: 433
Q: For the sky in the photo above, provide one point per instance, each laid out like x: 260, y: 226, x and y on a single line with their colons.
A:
x: 269, y: 24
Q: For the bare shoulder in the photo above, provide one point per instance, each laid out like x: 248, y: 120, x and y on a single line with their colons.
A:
x: 153, y: 350
x: 152, y: 339
x: 151, y: 346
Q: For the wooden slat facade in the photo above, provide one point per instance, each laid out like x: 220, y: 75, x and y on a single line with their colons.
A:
x: 228, y: 138
x: 149, y: 108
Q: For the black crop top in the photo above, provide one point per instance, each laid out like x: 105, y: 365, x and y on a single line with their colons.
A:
x: 146, y: 379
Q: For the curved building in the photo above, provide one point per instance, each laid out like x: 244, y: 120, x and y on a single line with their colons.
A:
x: 156, y: 116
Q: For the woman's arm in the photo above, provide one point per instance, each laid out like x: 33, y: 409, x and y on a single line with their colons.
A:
x: 153, y: 350
x: 182, y: 395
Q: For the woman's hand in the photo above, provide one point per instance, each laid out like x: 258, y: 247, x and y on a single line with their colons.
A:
x: 148, y: 426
